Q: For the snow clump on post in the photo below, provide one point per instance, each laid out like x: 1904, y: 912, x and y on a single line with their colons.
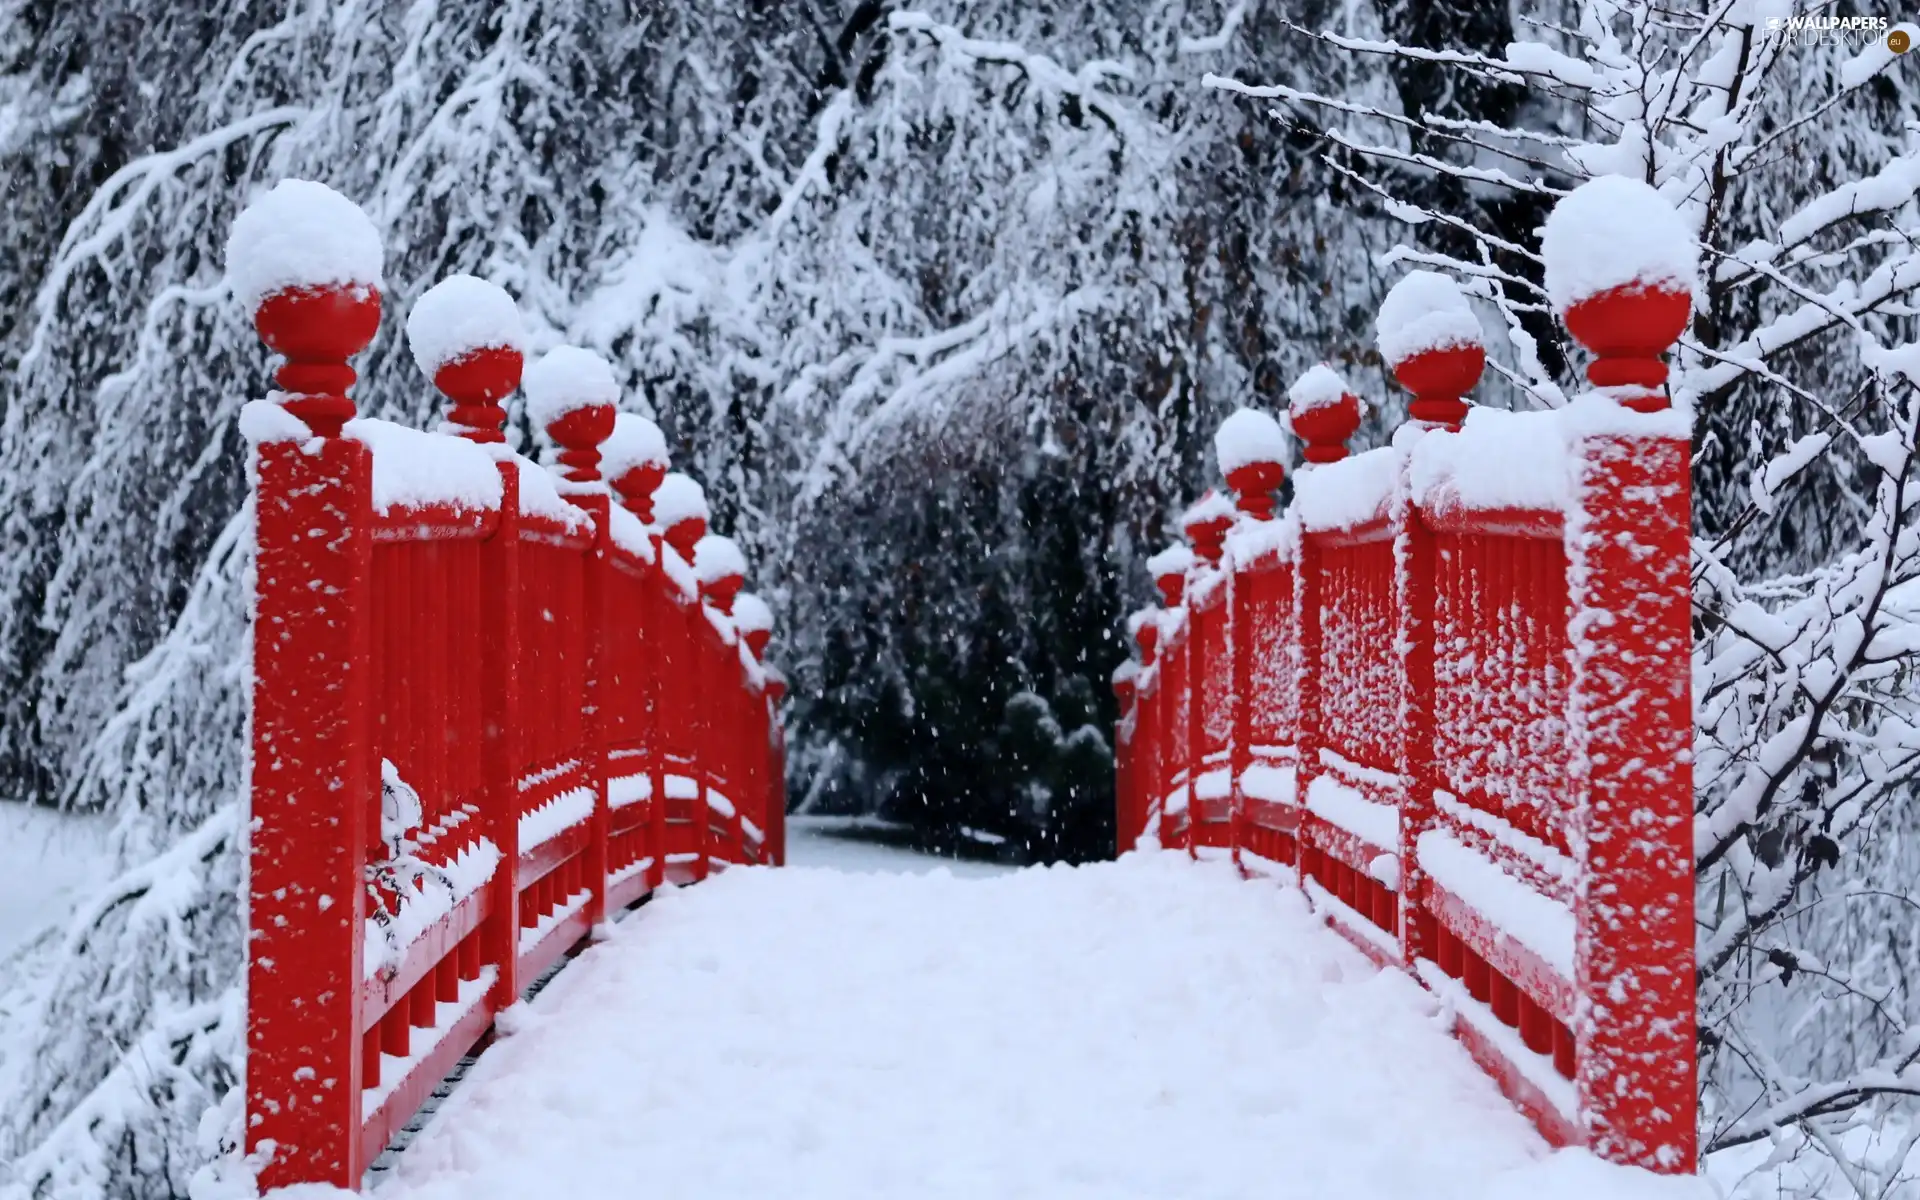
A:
x: 1615, y: 232
x: 459, y: 316
x: 301, y: 234
x: 1425, y: 311
x: 566, y: 380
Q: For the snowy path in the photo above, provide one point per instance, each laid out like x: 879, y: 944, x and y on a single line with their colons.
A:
x: 1150, y: 1028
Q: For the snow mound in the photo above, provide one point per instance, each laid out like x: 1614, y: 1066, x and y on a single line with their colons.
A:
x: 678, y: 498
x: 1174, y: 560
x: 458, y: 315
x: 716, y: 558
x: 1611, y: 232
x: 567, y: 379
x: 1248, y: 436
x: 636, y: 442
x: 1424, y: 311
x: 751, y: 614
x: 1498, y: 460
x: 415, y: 469
x: 300, y: 234
x: 1347, y: 493
x: 1210, y: 507
x: 1320, y: 387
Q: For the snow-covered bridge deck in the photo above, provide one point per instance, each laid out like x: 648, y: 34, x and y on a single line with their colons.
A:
x: 1148, y: 1028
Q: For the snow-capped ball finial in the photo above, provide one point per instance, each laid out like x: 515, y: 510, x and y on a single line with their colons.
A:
x: 680, y: 508
x: 1206, y: 523
x: 305, y: 263
x: 570, y: 394
x: 1611, y: 232
x: 1145, y: 631
x: 754, y: 620
x: 1125, y: 679
x: 1324, y: 412
x: 1169, y: 570
x: 1433, y: 342
x: 467, y: 337
x: 1251, y: 449
x: 301, y: 235
x: 721, y: 570
x: 635, y: 460
x: 1621, y: 268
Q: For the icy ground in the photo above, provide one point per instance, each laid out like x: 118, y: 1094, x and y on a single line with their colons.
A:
x: 1151, y: 1028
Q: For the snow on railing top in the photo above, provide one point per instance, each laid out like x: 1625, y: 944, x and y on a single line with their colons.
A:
x: 540, y: 497
x: 459, y: 316
x: 1497, y: 460
x: 415, y: 469
x: 1613, y: 232
x: 629, y: 533
x: 299, y: 235
x: 721, y: 570
x: 1169, y: 570
x: 1425, y: 311
x: 1348, y: 493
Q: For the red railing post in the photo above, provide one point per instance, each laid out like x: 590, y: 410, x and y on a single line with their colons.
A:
x: 1433, y: 376
x: 777, y: 743
x: 1250, y: 448
x: 635, y: 472
x: 686, y: 523
x: 476, y: 382
x: 314, y: 765
x: 1126, y: 805
x: 721, y: 570
x: 1631, y: 727
x: 1323, y: 426
x: 571, y: 393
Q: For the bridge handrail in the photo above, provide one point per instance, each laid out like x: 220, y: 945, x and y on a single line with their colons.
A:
x: 1458, y: 668
x: 462, y: 757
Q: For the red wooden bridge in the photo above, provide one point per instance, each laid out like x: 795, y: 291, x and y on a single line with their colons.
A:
x: 1443, y: 694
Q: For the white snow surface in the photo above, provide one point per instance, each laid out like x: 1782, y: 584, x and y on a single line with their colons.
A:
x: 1320, y: 387
x: 629, y: 533
x: 1210, y: 507
x: 1612, y: 231
x: 1499, y: 459
x: 677, y: 499
x: 1540, y: 923
x: 49, y: 859
x: 567, y: 379
x: 300, y: 234
x: 1147, y: 1028
x: 412, y: 468
x: 716, y: 558
x: 1353, y: 491
x: 1424, y: 311
x: 751, y: 614
x: 1174, y: 560
x: 1248, y: 436
x: 458, y: 315
x: 636, y: 442
x: 540, y: 497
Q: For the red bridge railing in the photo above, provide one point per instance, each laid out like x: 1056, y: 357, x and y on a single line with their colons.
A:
x: 493, y: 703
x: 1447, y: 691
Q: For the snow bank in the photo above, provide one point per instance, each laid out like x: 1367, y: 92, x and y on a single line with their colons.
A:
x: 1320, y: 387
x: 1248, y: 436
x: 1498, y: 459
x: 1610, y: 232
x: 751, y: 614
x: 458, y: 315
x: 1424, y: 311
x: 300, y: 234
x: 1174, y: 560
x: 716, y: 558
x: 677, y: 499
x: 413, y: 469
x: 567, y: 379
x: 636, y: 442
x: 1353, y: 491
x: 805, y: 1013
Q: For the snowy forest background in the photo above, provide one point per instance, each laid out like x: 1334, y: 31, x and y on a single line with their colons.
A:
x: 942, y: 302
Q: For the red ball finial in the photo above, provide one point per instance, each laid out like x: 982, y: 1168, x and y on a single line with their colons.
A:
x: 1125, y: 682
x: 1146, y: 635
x: 1430, y: 337
x: 680, y: 506
x: 466, y: 336
x: 1324, y: 413
x: 1251, y: 449
x: 1628, y: 328
x: 721, y: 570
x: 1621, y: 266
x: 318, y: 329
x: 571, y: 393
x: 1206, y: 525
x: 635, y: 462
x: 1169, y: 570
x: 754, y: 620
x: 305, y: 262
